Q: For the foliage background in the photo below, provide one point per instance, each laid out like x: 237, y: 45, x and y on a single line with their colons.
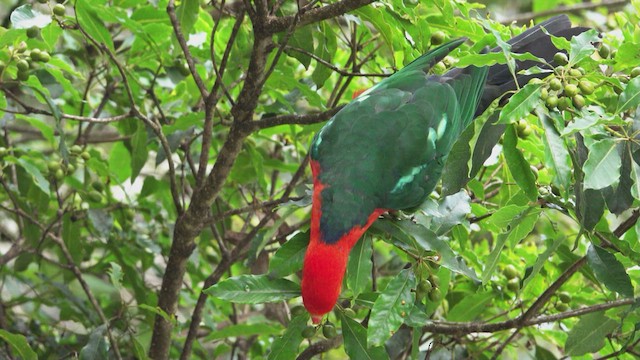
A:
x: 154, y: 168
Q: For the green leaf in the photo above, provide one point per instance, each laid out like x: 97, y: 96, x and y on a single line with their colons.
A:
x: 355, y: 341
x: 25, y: 17
x: 286, y: 346
x: 116, y: 275
x: 556, y: 154
x: 71, y: 232
x: 18, y: 345
x: 96, y: 348
x: 35, y: 173
x: 470, y: 307
x: 187, y: 14
x: 602, y: 167
x: 237, y: 330
x: 609, y: 271
x: 620, y: 199
x: 325, y: 50
x: 552, y: 246
x: 588, y: 335
x: 139, y: 151
x: 518, y: 165
x: 520, y: 104
x: 630, y: 97
x: 391, y: 307
x: 254, y: 289
x: 451, y: 211
x: 91, y: 23
x: 360, y: 265
x: 117, y: 158
x: 290, y: 256
x: 102, y: 221
x: 582, y: 46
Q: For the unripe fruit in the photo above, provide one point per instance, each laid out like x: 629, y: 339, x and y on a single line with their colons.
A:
x: 85, y: 155
x: 75, y: 149
x: 561, y: 307
x: 510, y: 272
x: 435, y: 280
x: 535, y: 81
x: 564, y: 296
x: 33, y: 32
x: 560, y: 58
x: 94, y: 196
x: 22, y: 65
x: 564, y: 103
x: 578, y: 101
x: 437, y: 38
x: 309, y: 332
x: 635, y: 72
x: 53, y: 165
x: 552, y: 101
x: 544, y: 94
x: 424, y: 286
x: 350, y: 313
x: 586, y: 87
x: 524, y: 133
x: 59, y: 10
x: 575, y: 72
x: 23, y: 75
x: 3, y: 151
x: 435, y: 295
x: 555, y: 84
x: 45, y: 57
x: 521, y: 124
x: 99, y: 186
x: 604, y: 51
x: 71, y: 168
x: 513, y: 284
x: 59, y: 174
x: 329, y: 331
x: 571, y: 90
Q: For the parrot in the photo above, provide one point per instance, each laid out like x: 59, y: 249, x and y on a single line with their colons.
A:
x: 386, y: 149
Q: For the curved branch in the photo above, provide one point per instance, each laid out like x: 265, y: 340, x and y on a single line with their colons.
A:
x: 279, y: 24
x: 294, y: 119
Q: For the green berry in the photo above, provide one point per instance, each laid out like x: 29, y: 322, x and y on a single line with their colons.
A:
x: 524, y: 133
x: 59, y: 174
x: 578, y: 101
x: 564, y: 103
x: 71, y: 168
x: 35, y: 54
x: 22, y: 65
x: 45, y: 57
x: 3, y: 151
x: 53, y: 165
x: 435, y: 295
x: 604, y: 51
x: 575, y: 72
x: 99, y: 186
x: 437, y: 38
x: 350, y: 313
x: 59, y: 10
x: 535, y: 81
x: 635, y: 72
x: 85, y: 155
x: 586, y: 87
x: 424, y: 286
x: 94, y: 196
x: 564, y: 296
x: 510, y: 272
x: 555, y: 84
x: 329, y: 331
x: 544, y: 94
x: 513, y: 284
x: 309, y: 332
x: 33, y: 32
x: 571, y: 90
x: 75, y: 149
x: 435, y: 280
x: 561, y: 58
x: 552, y: 101
x: 561, y: 307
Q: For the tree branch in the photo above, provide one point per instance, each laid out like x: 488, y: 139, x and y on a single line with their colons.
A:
x: 279, y: 24
x: 294, y: 119
x: 528, y: 16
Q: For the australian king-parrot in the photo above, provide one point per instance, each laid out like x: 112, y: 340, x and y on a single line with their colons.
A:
x: 386, y: 150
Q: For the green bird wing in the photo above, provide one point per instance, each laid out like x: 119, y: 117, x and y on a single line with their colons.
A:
x: 386, y: 149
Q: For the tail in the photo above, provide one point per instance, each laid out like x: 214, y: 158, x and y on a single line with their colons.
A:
x: 534, y: 41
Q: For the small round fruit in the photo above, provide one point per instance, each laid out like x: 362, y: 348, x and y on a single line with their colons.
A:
x: 94, y: 196
x: 3, y: 151
x: 33, y: 32
x: 561, y: 58
x: 510, y: 272
x: 586, y: 87
x: 535, y: 81
x: 524, y: 133
x: 437, y: 38
x: 544, y: 94
x: 575, y: 72
x: 555, y: 84
x: 329, y: 331
x: 71, y: 168
x: 99, y: 186
x: 578, y: 101
x: 561, y: 307
x: 439, y: 67
x: 59, y: 10
x: 604, y: 51
x: 309, y: 332
x: 53, y: 165
x: 552, y: 101
x: 295, y: 311
x: 45, y: 57
x: 564, y: 296
x: 59, y: 174
x: 75, y: 149
x: 513, y: 284
x: 350, y: 313
x: 521, y: 124
x: 571, y: 90
x: 435, y: 280
x: 22, y: 65
x: 564, y: 103
x: 85, y: 155
x: 635, y: 72
x: 424, y: 286
x: 435, y: 295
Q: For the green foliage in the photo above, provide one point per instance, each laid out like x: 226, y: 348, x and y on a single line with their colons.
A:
x: 124, y: 133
